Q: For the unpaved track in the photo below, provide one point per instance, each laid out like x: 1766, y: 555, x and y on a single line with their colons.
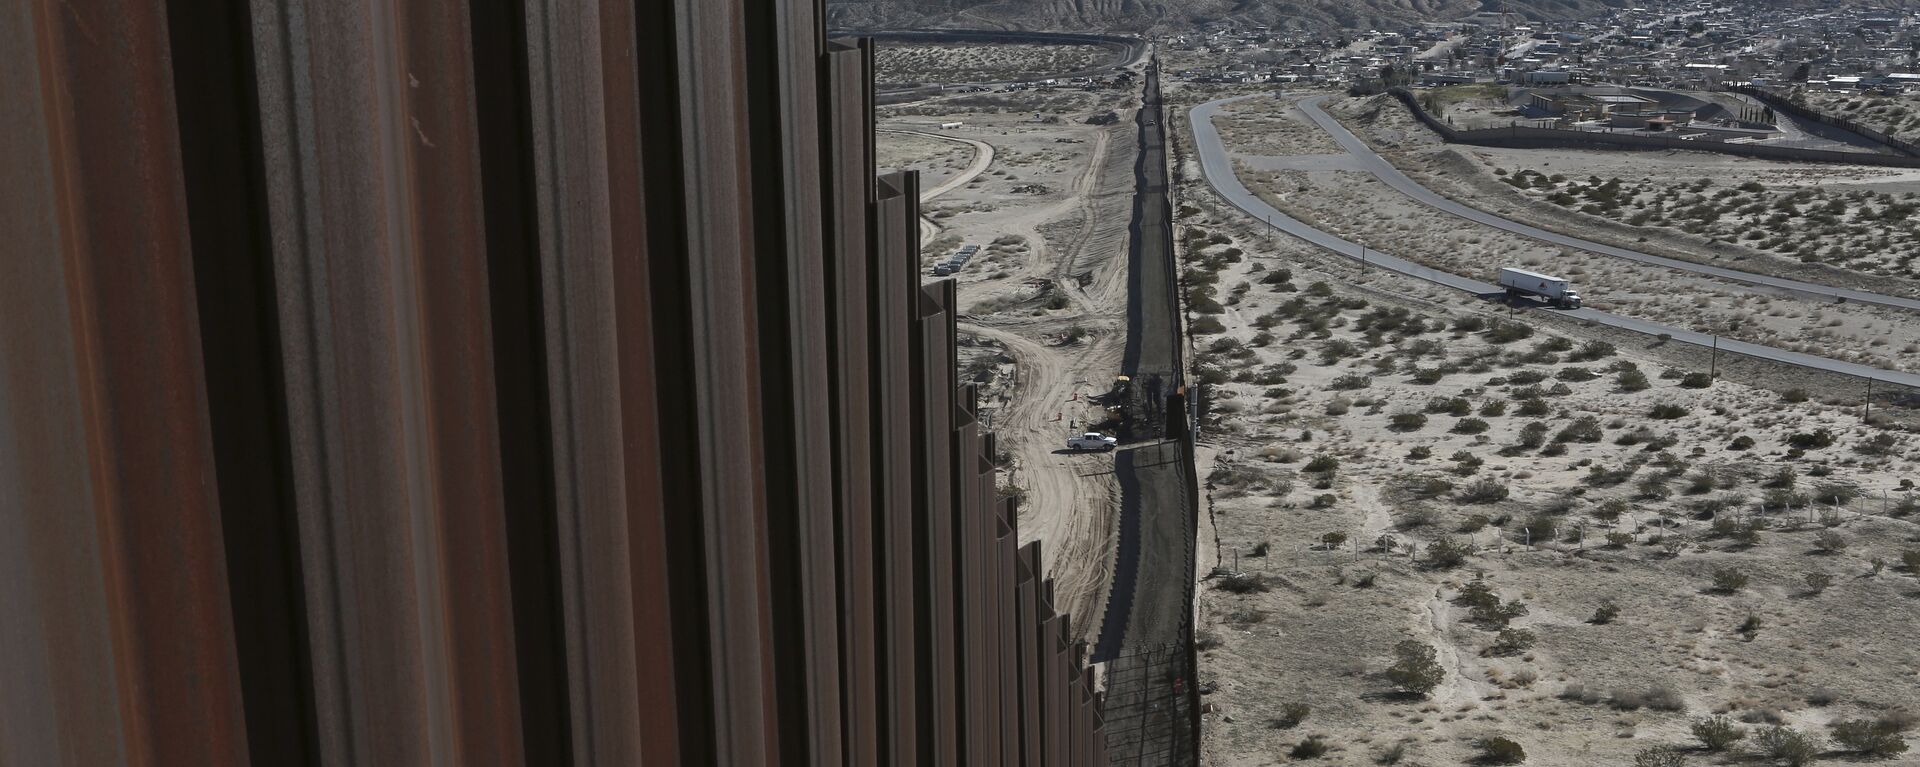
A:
x: 982, y: 157
x: 1071, y: 497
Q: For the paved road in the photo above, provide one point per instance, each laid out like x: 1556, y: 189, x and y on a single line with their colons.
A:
x: 1372, y: 162
x: 1218, y: 168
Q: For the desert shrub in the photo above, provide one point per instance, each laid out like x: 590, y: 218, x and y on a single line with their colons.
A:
x: 1696, y: 381
x: 1243, y: 583
x: 1786, y: 745
x: 1794, y: 395
x: 1415, y: 668
x: 1469, y: 324
x: 1667, y: 411
x: 1835, y: 492
x: 1660, y: 756
x: 1447, y: 553
x: 1313, y: 746
x: 1881, y: 737
x: 1742, y: 442
x: 1586, y: 428
x: 1511, y: 641
x: 1631, y: 380
x: 1419, y: 452
x: 1533, y: 434
x: 1508, y: 332
x: 1783, y: 479
x: 1406, y: 421
x: 1430, y: 375
x: 1534, y: 406
x: 1339, y: 406
x: 1333, y: 540
x: 1592, y: 350
x: 1814, y: 440
x: 1659, y: 698
x: 1483, y: 490
x: 1454, y: 406
x: 1818, y: 582
x: 1619, y: 540
x: 1322, y: 463
x: 1470, y: 426
x: 1727, y: 580
x: 1717, y: 733
x: 1524, y: 377
x: 1207, y: 325
x: 1542, y: 527
x: 1477, y: 593
x: 1576, y: 374
x: 1291, y: 715
x: 1830, y: 541
x: 1910, y: 559
x: 1324, y: 501
x: 1498, y: 750
x: 1350, y: 382
x: 1606, y: 612
x: 1496, y: 614
x: 1392, y: 754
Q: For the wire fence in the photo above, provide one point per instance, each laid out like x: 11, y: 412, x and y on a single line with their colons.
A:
x: 1148, y: 707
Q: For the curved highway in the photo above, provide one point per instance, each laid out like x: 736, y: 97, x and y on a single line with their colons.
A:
x: 1372, y: 162
x: 1217, y: 165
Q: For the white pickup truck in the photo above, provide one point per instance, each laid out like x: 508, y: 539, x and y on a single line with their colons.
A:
x: 1092, y: 440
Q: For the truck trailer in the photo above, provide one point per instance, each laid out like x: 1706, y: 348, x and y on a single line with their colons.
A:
x: 1557, y: 291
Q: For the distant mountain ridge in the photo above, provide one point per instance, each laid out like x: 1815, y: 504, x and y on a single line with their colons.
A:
x: 1179, y: 15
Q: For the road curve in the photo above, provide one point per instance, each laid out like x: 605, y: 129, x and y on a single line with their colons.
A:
x: 1217, y: 165
x: 1372, y: 162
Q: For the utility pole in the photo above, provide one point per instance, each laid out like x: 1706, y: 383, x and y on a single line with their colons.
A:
x: 1866, y: 415
x: 1363, y: 258
x: 1713, y: 365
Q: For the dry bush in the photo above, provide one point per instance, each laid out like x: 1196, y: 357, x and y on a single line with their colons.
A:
x: 1717, y: 733
x: 1498, y: 750
x: 1787, y: 745
x: 1882, y: 738
x: 1660, y: 756
x: 1243, y: 583
x: 1415, y: 668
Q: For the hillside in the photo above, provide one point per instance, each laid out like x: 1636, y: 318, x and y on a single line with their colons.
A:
x: 1176, y: 15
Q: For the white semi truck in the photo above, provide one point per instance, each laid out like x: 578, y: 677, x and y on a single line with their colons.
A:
x: 1557, y: 291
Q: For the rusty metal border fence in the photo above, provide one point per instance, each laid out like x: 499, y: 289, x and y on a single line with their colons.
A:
x: 539, y: 382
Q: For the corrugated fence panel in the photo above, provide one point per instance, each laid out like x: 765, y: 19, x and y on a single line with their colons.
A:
x: 538, y: 382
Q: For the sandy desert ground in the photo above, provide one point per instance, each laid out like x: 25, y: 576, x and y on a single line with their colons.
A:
x: 1391, y: 462
x: 899, y: 64
x: 1043, y: 301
